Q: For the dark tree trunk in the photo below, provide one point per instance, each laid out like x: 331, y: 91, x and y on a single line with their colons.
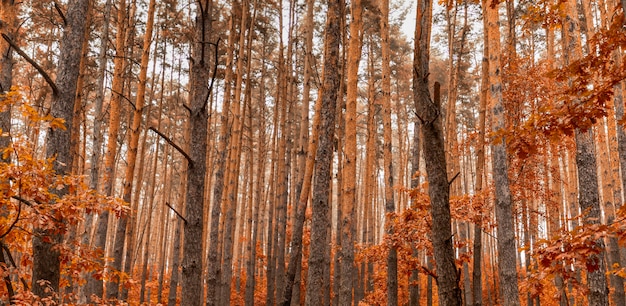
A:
x: 428, y: 111
x: 46, y: 261
x: 319, y: 260
x: 192, y: 293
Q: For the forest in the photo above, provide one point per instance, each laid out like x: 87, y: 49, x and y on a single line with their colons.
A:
x: 302, y: 152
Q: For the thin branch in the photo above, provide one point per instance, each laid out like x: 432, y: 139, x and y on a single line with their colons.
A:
x: 58, y: 8
x: 17, y: 218
x: 179, y: 149
x: 44, y: 74
x: 187, y: 108
x: 27, y: 202
x: 125, y: 98
x: 454, y: 178
x: 176, y: 212
x: 206, y: 100
x: 12, y: 261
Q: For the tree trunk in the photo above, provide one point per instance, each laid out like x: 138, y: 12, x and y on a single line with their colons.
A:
x: 95, y: 286
x: 477, y: 291
x: 390, y: 207
x: 201, y: 65
x: 347, y: 222
x: 319, y: 259
x: 588, y: 189
x: 306, y: 161
x: 8, y: 15
x: 507, y: 251
x: 234, y: 161
x: 96, y: 148
x: 213, y: 260
x: 428, y: 112
x: 46, y: 260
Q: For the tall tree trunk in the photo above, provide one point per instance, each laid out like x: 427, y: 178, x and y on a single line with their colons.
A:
x: 507, y: 254
x: 414, y: 286
x: 306, y: 161
x: 347, y: 222
x: 214, y: 257
x: 95, y: 286
x: 96, y: 148
x: 477, y: 291
x: 371, y: 163
x: 428, y: 112
x: 319, y: 259
x: 46, y: 260
x: 201, y: 65
x: 123, y: 230
x: 390, y: 206
x: 588, y: 189
x: 234, y: 162
x: 8, y: 26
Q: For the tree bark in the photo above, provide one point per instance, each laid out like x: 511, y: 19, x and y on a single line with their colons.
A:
x: 192, y: 289
x: 429, y: 113
x: 347, y: 222
x: 588, y: 189
x: 390, y: 207
x: 8, y: 14
x: 507, y: 254
x: 46, y: 260
x: 319, y: 259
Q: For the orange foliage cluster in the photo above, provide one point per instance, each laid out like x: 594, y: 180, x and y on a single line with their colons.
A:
x: 27, y: 203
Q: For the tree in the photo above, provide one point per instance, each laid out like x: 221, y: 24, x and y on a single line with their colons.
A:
x: 429, y: 114
x: 507, y: 257
x: 8, y: 14
x: 319, y: 259
x: 347, y: 222
x: 588, y: 192
x: 196, y: 169
x: 46, y: 258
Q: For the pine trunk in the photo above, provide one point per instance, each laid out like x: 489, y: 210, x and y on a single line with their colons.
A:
x: 317, y: 280
x: 192, y: 288
x: 46, y: 260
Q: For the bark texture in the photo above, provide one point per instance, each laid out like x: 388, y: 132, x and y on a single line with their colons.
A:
x: 46, y: 261
x: 318, y: 282
x: 192, y: 289
x: 429, y: 113
x: 507, y: 251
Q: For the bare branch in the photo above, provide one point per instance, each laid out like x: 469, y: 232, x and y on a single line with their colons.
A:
x: 179, y: 149
x: 206, y: 100
x: 44, y: 74
x: 58, y: 8
x: 176, y: 212
x: 17, y: 218
x: 454, y: 178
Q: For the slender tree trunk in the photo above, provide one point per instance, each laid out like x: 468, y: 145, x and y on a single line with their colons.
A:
x: 428, y: 112
x: 214, y: 259
x: 201, y: 65
x: 306, y: 161
x: 319, y: 259
x: 46, y: 260
x: 477, y: 292
x: 507, y: 254
x: 347, y: 222
x: 414, y: 286
x: 390, y: 207
x: 588, y: 189
x: 96, y: 149
x: 95, y: 286
x: 233, y: 163
x: 371, y: 164
x: 8, y: 14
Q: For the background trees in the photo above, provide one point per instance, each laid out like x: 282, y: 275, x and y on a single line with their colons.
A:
x: 238, y: 189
